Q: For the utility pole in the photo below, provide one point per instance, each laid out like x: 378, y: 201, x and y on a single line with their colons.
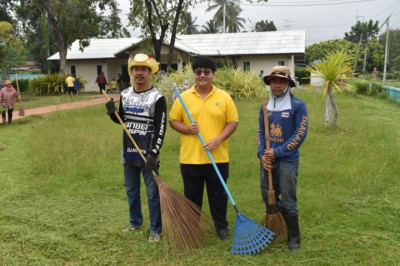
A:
x: 358, y: 51
x: 386, y: 50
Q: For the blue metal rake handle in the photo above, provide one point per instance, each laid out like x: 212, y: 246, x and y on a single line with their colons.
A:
x: 208, y: 153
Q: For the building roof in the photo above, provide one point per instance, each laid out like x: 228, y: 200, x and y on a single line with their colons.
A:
x: 98, y: 49
x: 249, y: 43
x: 228, y: 44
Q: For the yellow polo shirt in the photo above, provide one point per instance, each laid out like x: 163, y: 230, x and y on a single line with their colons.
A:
x: 212, y: 114
x: 70, y: 81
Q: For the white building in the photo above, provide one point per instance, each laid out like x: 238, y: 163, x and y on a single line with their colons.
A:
x: 248, y: 51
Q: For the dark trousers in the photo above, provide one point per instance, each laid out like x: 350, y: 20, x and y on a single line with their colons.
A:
x: 102, y: 87
x: 10, y: 113
x: 195, y: 176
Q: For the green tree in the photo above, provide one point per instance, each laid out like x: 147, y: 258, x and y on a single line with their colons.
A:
x: 265, y: 25
x: 10, y: 48
x: 70, y: 20
x: 376, y: 55
x: 332, y: 69
x: 188, y: 24
x: 318, y: 51
x: 210, y: 27
x: 6, y: 11
x: 155, y: 18
x: 362, y: 31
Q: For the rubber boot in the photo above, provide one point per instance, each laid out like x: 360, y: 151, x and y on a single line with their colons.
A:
x: 292, y: 222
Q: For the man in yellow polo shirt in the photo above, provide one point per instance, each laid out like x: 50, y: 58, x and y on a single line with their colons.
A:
x: 70, y: 84
x: 216, y: 118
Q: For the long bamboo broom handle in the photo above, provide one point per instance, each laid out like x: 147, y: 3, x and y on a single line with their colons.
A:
x: 271, y: 191
x: 128, y: 133
x: 208, y: 153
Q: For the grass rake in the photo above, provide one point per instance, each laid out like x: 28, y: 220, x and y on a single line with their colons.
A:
x: 185, y: 225
x: 249, y: 236
x: 273, y: 218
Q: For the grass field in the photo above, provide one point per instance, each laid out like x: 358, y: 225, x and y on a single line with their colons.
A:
x: 62, y: 199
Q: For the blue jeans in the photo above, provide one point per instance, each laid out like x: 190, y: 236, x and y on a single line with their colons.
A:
x: 132, y: 187
x: 284, y: 179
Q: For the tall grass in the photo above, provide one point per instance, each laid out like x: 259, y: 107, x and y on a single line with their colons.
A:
x: 62, y: 199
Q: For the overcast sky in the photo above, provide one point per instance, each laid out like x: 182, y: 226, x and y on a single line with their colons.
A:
x: 321, y: 19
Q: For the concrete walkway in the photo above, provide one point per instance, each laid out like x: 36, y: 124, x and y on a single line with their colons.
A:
x: 63, y: 106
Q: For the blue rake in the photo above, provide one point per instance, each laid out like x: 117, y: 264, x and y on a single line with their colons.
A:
x: 249, y: 237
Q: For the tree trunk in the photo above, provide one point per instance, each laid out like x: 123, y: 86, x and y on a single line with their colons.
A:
x: 331, y: 109
x: 173, y: 34
x: 157, y: 43
x: 61, y: 42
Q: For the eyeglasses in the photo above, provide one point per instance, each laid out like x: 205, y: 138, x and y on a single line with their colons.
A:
x: 206, y: 72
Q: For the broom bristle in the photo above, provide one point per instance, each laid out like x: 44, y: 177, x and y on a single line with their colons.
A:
x: 274, y: 221
x: 21, y: 111
x: 185, y: 226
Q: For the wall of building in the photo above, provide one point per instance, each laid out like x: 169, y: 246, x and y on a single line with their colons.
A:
x: 87, y: 69
x: 266, y: 62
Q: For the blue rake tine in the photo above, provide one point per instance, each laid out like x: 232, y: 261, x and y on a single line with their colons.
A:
x: 250, y: 237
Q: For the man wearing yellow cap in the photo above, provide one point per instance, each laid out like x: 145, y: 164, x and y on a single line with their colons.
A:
x: 143, y: 110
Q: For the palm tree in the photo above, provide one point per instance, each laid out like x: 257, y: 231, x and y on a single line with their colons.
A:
x: 233, y: 22
x: 332, y: 69
x: 188, y: 25
x: 210, y: 27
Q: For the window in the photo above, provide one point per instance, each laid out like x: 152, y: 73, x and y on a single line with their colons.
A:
x: 281, y: 63
x: 99, y: 69
x: 73, y: 70
x: 246, y: 66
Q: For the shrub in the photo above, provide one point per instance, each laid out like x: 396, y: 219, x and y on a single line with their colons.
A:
x: 23, y: 84
x: 51, y: 85
x: 302, y: 75
x: 239, y: 84
x: 165, y: 83
x: 367, y: 88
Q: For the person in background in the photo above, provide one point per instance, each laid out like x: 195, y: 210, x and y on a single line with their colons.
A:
x: 185, y: 86
x: 7, y: 100
x: 120, y: 83
x: 261, y: 74
x: 70, y: 84
x: 101, y: 81
x: 77, y: 85
x: 113, y: 85
x: 217, y: 119
x: 287, y: 127
x: 374, y: 73
x: 143, y: 110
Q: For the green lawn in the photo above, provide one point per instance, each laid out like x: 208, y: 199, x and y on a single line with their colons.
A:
x: 62, y: 199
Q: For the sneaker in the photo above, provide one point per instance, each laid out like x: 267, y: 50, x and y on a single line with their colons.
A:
x: 154, y: 237
x: 223, y: 234
x: 130, y: 228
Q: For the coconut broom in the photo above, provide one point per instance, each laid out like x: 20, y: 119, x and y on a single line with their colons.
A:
x: 21, y: 109
x: 273, y: 218
x: 185, y: 225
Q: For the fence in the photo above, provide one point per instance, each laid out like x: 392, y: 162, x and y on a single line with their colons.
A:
x: 26, y: 76
x: 394, y: 93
